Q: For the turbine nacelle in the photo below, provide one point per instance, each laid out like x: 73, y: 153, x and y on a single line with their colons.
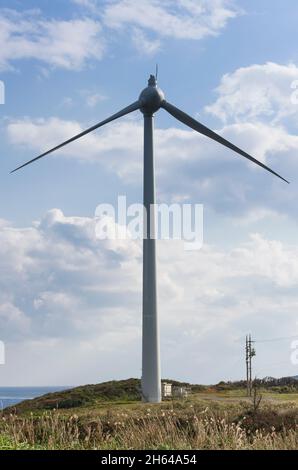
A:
x: 151, y: 97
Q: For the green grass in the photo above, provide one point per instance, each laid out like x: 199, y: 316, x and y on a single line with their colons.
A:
x: 8, y: 443
x: 192, y: 423
x: 116, y: 392
x: 112, y: 416
x: 127, y: 392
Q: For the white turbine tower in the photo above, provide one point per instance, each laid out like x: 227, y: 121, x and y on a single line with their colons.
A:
x: 151, y: 100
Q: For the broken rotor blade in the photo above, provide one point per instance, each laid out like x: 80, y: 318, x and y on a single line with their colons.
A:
x: 197, y: 126
x: 132, y: 107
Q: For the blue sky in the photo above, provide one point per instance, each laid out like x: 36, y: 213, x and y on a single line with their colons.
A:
x: 68, y: 64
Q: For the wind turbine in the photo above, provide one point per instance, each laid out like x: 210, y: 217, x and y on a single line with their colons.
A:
x: 151, y: 100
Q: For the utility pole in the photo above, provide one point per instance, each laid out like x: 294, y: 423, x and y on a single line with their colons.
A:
x: 247, y: 365
x: 249, y: 370
x: 249, y: 353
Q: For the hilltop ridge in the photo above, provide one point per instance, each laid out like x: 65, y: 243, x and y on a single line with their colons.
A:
x: 129, y: 391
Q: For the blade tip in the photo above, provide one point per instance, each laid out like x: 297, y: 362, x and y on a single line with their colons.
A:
x: 284, y: 179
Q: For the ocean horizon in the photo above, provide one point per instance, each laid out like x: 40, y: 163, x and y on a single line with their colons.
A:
x: 10, y: 396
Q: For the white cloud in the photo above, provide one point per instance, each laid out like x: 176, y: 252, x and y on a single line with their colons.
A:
x: 144, y: 44
x: 209, y: 173
x: 67, y: 44
x: 256, y: 92
x: 104, y: 145
x: 92, y: 99
x: 91, y: 4
x: 73, y: 43
x: 256, y: 215
x: 148, y: 21
x: 70, y: 305
x: 13, y: 321
x: 182, y: 19
x: 67, y: 102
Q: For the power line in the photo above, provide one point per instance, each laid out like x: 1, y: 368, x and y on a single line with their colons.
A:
x: 250, y: 352
x: 269, y: 340
x: 271, y: 367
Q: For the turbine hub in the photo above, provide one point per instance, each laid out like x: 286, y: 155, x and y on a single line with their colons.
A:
x: 151, y: 97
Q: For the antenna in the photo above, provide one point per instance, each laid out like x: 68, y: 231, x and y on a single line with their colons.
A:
x: 156, y: 72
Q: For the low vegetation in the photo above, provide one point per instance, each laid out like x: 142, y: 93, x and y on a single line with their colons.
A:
x: 129, y: 390
x: 176, y: 426
x: 84, y: 396
x: 110, y: 416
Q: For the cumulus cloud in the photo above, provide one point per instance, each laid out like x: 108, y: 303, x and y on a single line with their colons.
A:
x: 117, y: 145
x: 182, y: 19
x: 72, y: 43
x: 150, y: 21
x: 143, y: 43
x: 67, y: 44
x: 208, y: 172
x: 66, y: 298
x: 64, y: 254
x: 259, y: 91
x: 70, y: 304
x: 13, y: 321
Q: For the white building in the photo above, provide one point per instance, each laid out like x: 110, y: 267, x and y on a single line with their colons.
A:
x: 180, y: 391
x: 166, y: 389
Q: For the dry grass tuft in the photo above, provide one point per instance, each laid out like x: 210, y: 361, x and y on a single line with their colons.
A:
x: 183, y: 427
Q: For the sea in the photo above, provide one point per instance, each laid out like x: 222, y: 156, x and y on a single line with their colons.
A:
x: 12, y: 395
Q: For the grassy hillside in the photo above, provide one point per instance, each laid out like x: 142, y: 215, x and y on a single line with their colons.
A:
x: 111, y: 415
x: 129, y: 391
x: 85, y: 395
x: 115, y: 391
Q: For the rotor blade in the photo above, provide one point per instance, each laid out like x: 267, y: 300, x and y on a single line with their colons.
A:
x: 197, y: 126
x: 132, y: 107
